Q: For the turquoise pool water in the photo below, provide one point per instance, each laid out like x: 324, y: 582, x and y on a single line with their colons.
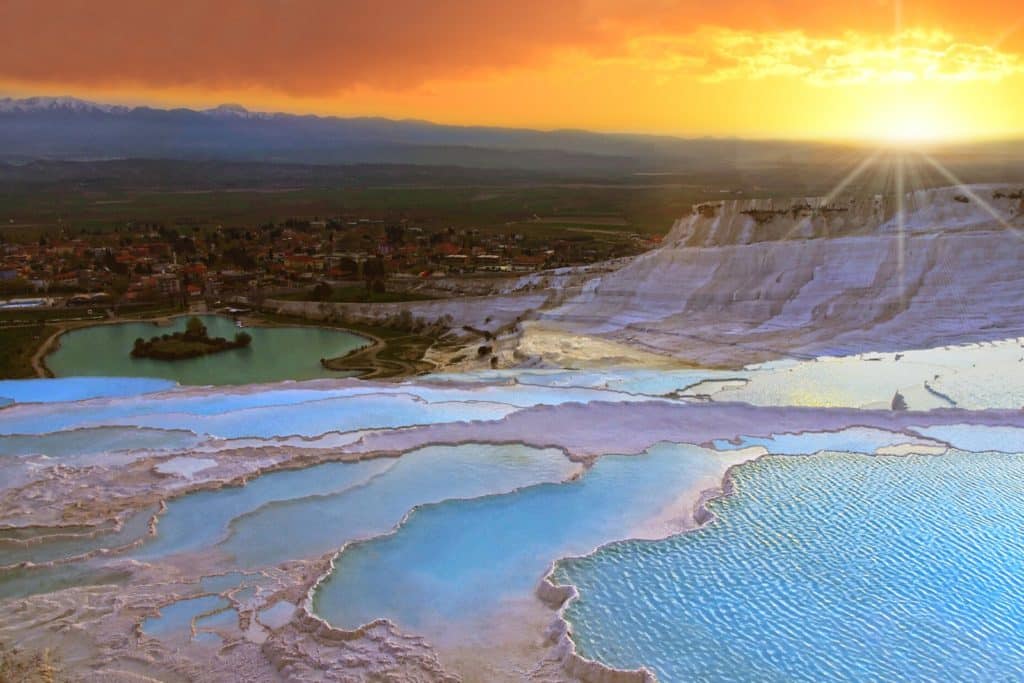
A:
x: 308, y: 410
x: 95, y: 440
x: 831, y: 568
x: 461, y: 561
x: 972, y: 376
x: 277, y: 353
x: 429, y: 475
x: 268, y: 521
x: 177, y: 617
x: 78, y: 388
x: 312, y: 418
x: 59, y: 546
x: 199, y: 520
x: 632, y: 381
x: 852, y: 440
x: 20, y: 580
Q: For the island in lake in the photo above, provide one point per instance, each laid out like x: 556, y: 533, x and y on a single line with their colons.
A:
x: 195, y: 341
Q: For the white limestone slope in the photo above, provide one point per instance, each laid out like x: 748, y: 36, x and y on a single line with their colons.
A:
x: 749, y: 280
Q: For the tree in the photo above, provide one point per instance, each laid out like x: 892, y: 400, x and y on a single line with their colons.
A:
x: 16, y: 286
x: 374, y: 272
x: 322, y: 292
x: 243, y: 339
x: 395, y: 234
x: 240, y: 258
x: 195, y: 328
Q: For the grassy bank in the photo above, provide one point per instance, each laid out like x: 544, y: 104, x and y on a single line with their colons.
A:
x: 356, y: 295
x: 20, y: 666
x: 18, y: 345
x: 24, y: 331
x: 396, y: 353
x: 24, y: 316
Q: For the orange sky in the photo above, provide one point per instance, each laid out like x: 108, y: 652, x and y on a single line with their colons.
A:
x: 797, y: 68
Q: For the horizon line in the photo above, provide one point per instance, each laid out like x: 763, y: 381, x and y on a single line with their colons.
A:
x: 879, y: 141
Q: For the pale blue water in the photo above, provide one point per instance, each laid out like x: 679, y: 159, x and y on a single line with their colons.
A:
x: 972, y: 376
x: 461, y: 560
x: 268, y: 521
x: 78, y: 388
x: 300, y: 409
x: 852, y: 440
x: 836, y: 567
x: 630, y: 381
x: 831, y: 568
x: 199, y: 520
x: 22, y: 582
x: 276, y: 532
x: 226, y: 618
x: 71, y: 545
x: 222, y: 582
x: 277, y: 353
x: 977, y: 437
x: 96, y: 440
x: 311, y: 418
x: 176, y: 618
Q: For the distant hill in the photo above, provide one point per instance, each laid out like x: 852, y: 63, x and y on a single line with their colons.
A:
x: 64, y: 128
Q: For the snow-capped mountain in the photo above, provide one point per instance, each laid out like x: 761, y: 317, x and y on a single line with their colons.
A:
x: 71, y: 128
x: 236, y: 111
x: 57, y: 104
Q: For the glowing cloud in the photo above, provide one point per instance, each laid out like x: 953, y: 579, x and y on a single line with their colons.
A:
x: 790, y: 68
x: 852, y: 58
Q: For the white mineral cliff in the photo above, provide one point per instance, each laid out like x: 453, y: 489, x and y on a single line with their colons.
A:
x: 748, y: 280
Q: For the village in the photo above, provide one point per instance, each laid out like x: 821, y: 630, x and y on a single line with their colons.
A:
x: 345, y: 257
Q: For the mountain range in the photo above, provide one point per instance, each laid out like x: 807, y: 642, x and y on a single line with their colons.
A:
x: 66, y: 128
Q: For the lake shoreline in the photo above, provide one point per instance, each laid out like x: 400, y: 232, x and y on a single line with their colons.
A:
x: 393, y: 354
x: 364, y: 358
x: 388, y: 353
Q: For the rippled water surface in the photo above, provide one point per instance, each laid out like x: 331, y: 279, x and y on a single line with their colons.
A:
x: 836, y: 567
x: 460, y: 562
x: 831, y: 567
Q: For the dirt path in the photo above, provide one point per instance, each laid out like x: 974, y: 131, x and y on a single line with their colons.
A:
x: 39, y: 357
x: 52, y: 343
x: 368, y: 361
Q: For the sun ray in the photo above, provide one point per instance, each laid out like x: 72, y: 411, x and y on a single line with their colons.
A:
x: 971, y: 194
x: 901, y: 226
x: 955, y: 299
x: 836, y: 191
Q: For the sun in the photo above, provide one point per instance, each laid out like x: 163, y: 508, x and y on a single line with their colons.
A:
x: 912, y: 129
x: 906, y: 121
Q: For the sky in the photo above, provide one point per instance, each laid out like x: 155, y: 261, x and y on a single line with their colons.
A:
x: 836, y: 69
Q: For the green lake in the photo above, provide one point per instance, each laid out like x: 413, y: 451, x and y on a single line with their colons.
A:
x: 276, y: 353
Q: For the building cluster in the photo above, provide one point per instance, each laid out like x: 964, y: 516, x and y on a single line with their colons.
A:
x: 157, y: 263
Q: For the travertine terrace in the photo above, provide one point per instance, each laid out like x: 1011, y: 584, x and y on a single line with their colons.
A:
x: 155, y: 531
